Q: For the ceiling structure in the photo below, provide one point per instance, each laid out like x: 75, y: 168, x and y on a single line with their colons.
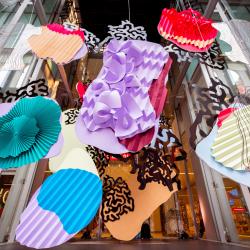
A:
x: 96, y: 16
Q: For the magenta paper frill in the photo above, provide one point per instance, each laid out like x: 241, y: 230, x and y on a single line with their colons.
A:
x: 117, y: 104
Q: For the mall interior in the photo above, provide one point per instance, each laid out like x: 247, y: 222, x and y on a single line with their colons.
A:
x: 210, y: 209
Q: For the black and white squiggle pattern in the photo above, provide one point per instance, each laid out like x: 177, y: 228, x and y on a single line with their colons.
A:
x: 211, y: 58
x: 91, y: 40
x: 32, y: 89
x: 71, y: 114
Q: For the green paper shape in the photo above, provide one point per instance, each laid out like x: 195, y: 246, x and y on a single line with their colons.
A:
x: 28, y: 131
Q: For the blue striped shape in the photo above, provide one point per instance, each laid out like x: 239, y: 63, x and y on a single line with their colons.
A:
x: 74, y: 195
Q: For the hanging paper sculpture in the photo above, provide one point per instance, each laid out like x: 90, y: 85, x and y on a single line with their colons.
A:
x: 81, y: 90
x: 66, y: 203
x: 203, y: 151
x: 117, y: 105
x: 188, y: 29
x: 224, y: 114
x: 32, y: 89
x: 15, y: 60
x: 164, y: 137
x: 211, y: 58
x: 100, y: 158
x: 125, y: 31
x: 69, y: 136
x: 69, y: 44
x: 154, y: 167
x: 211, y: 100
x: 91, y: 40
x: 231, y: 145
x: 125, y: 207
x: 227, y: 35
x: 28, y: 130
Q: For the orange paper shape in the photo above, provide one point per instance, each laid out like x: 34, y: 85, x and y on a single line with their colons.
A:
x: 59, y: 47
x: 125, y: 207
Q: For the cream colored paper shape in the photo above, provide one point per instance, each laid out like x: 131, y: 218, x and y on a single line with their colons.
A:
x: 226, y: 35
x: 61, y: 48
x: 145, y: 203
x: 227, y: 148
x: 78, y: 158
x: 70, y: 142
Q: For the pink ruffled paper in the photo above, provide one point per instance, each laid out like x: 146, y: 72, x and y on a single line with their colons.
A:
x: 157, y: 94
x: 61, y: 29
x: 117, y: 104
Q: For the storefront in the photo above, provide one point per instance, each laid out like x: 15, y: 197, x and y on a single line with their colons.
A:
x: 208, y: 206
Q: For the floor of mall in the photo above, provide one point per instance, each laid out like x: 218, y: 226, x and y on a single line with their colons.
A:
x: 124, y: 124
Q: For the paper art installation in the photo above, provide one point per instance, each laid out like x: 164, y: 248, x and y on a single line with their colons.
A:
x: 211, y: 58
x: 125, y: 207
x: 211, y: 100
x: 91, y: 40
x: 69, y: 44
x: 188, y: 29
x: 224, y: 114
x: 81, y: 90
x: 125, y: 31
x: 100, y: 158
x: 32, y: 89
x: 117, y: 104
x: 28, y: 131
x: 202, y: 150
x: 154, y: 167
x: 70, y: 138
x: 67, y: 202
x: 15, y: 60
x: 231, y: 145
x: 227, y: 35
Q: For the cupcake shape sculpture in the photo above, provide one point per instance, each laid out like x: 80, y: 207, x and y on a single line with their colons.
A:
x: 66, y: 202
x: 188, y: 29
x: 58, y: 43
x: 118, y: 106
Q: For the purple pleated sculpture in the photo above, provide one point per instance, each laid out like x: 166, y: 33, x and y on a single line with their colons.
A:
x: 117, y: 105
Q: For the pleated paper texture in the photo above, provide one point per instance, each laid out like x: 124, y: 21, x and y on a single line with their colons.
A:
x: 61, y: 48
x: 188, y: 29
x: 117, y: 105
x: 28, y: 131
x: 231, y: 146
x: 66, y: 203
x: 157, y: 95
x: 203, y: 150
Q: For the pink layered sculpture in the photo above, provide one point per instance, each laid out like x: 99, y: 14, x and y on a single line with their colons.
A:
x: 117, y: 104
x: 188, y: 29
x: 157, y: 95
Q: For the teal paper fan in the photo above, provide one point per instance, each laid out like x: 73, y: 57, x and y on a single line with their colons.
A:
x: 28, y: 131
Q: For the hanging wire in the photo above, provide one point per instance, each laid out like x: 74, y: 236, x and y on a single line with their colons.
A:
x: 129, y: 11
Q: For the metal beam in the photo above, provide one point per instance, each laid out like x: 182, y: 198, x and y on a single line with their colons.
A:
x: 44, y: 20
x: 6, y: 31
